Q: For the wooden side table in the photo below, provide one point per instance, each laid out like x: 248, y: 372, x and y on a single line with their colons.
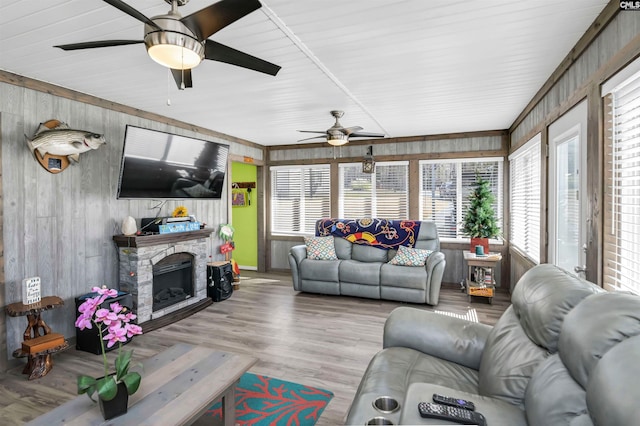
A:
x: 480, y: 279
x: 39, y: 363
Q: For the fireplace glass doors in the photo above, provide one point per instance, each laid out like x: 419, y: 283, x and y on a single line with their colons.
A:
x: 172, y: 280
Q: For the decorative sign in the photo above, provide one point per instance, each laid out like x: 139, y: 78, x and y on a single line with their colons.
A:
x: 31, y: 290
x: 179, y: 227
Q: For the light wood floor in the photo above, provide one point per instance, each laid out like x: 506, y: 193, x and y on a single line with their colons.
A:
x: 316, y: 340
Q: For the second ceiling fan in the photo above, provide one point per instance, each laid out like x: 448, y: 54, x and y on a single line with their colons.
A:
x: 338, y: 135
x: 181, y: 43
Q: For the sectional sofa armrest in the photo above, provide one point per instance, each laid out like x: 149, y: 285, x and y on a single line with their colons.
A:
x: 435, y: 270
x: 296, y: 255
x: 449, y: 338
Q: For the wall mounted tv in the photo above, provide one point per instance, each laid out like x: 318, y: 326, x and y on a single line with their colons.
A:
x: 163, y: 165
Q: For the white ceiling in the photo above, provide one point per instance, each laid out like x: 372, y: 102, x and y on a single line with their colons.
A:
x: 399, y: 67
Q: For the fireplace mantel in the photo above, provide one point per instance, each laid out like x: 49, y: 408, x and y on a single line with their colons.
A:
x: 156, y: 239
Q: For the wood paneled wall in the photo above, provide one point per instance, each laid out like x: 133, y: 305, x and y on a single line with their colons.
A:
x: 608, y: 46
x: 60, y: 226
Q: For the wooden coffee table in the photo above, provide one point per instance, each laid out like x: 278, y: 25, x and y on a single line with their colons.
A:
x: 178, y: 386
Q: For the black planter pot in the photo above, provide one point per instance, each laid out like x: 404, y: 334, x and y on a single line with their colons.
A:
x: 117, y: 406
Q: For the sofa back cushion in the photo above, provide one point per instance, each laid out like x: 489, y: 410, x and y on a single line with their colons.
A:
x: 368, y: 254
x: 508, y: 360
x: 594, y: 376
x: 542, y: 298
x: 554, y: 398
x: 613, y: 391
x: 343, y: 248
x: 596, y: 325
x: 428, y: 236
x: 529, y: 330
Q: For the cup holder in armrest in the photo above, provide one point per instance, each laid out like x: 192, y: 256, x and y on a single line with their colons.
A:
x: 386, y: 404
x: 379, y: 421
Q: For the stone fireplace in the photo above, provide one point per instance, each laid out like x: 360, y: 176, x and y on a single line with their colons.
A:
x: 164, y: 273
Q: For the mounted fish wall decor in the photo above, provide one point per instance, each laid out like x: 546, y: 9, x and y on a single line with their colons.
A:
x: 55, y: 145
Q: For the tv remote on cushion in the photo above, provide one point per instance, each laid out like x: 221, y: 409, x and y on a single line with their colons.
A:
x: 452, y: 414
x: 454, y: 402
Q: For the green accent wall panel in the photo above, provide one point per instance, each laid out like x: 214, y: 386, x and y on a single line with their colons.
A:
x: 245, y: 218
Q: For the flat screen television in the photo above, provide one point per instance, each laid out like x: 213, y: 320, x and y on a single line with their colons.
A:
x: 163, y: 165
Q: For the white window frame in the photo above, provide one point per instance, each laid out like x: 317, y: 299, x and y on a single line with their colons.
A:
x: 374, y: 204
x: 525, y: 237
x: 303, y: 212
x: 459, y: 199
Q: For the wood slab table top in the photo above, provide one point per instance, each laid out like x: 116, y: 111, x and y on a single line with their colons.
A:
x: 178, y: 386
x: 20, y: 309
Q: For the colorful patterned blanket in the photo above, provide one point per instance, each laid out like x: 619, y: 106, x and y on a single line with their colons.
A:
x: 381, y: 233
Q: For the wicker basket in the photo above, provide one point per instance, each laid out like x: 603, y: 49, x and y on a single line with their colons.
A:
x: 481, y: 291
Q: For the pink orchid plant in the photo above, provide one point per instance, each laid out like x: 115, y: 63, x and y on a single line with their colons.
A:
x: 115, y: 325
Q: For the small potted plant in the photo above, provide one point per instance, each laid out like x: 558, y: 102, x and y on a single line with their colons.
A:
x: 115, y: 327
x: 480, y: 222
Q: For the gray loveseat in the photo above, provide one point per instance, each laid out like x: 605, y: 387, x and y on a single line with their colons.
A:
x: 564, y: 353
x: 364, y: 271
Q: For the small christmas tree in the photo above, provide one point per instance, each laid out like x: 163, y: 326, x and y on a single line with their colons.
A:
x: 480, y: 219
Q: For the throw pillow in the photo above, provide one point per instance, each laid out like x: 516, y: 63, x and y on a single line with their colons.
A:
x: 410, y: 257
x: 320, y: 248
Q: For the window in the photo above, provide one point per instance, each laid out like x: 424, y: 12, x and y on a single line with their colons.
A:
x: 300, y: 195
x: 622, y: 187
x: 525, y: 166
x: 382, y: 194
x: 445, y: 186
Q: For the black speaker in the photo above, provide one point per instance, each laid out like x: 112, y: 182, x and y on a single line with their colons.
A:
x: 87, y: 340
x: 219, y: 282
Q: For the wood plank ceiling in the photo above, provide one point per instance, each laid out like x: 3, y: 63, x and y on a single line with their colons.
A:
x: 399, y: 67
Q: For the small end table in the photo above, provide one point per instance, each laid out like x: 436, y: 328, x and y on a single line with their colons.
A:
x: 481, y: 279
x: 40, y: 363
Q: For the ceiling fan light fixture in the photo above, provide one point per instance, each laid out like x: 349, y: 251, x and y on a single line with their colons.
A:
x: 337, y: 139
x: 174, y: 50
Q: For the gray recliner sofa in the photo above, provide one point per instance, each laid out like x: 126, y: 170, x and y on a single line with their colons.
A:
x: 564, y: 353
x: 364, y: 271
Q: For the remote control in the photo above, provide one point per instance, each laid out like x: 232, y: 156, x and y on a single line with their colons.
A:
x: 454, y: 402
x: 452, y: 414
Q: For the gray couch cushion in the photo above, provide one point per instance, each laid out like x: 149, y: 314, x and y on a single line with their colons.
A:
x: 368, y: 254
x: 343, y: 248
x: 428, y: 236
x: 542, y: 298
x: 612, y: 393
x: 508, y: 361
x: 352, y: 271
x: 585, y: 339
x: 553, y: 397
x: 403, y: 276
x: 319, y: 270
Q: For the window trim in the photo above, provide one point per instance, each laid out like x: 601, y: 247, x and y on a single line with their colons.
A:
x: 459, y: 200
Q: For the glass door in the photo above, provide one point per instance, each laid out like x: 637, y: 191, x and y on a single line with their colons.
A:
x: 567, y: 191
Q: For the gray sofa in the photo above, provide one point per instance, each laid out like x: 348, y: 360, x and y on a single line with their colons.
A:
x: 564, y: 353
x: 363, y: 271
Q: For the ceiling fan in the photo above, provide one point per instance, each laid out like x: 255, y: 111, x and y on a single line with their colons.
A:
x: 182, y: 43
x: 337, y: 135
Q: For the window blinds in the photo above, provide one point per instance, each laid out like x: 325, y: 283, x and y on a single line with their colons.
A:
x: 445, y: 186
x: 299, y: 196
x: 621, y: 267
x: 525, y: 166
x: 382, y: 194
